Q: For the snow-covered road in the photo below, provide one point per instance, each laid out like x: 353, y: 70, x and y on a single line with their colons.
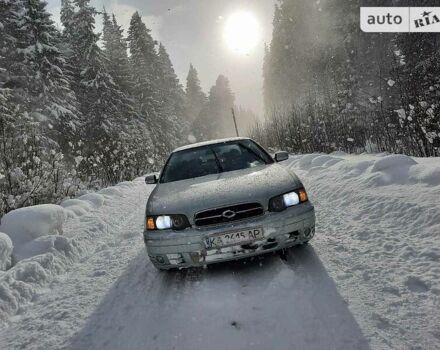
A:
x: 371, y: 276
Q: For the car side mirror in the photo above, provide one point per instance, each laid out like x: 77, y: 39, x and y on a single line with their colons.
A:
x: 280, y: 156
x: 151, y: 179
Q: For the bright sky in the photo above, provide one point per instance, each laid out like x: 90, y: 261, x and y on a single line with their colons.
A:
x: 208, y: 34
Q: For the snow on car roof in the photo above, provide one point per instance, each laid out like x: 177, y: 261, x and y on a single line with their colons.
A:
x: 211, y: 142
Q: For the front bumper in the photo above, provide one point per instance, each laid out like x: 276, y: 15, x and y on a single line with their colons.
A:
x: 179, y: 249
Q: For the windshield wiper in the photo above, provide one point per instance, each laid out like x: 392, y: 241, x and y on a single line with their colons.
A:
x: 220, y: 168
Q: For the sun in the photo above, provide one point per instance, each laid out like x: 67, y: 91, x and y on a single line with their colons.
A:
x: 241, y: 32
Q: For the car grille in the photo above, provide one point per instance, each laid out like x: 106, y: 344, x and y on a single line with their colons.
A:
x: 228, y: 214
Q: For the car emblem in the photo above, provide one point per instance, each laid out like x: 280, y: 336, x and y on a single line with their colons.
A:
x: 228, y: 214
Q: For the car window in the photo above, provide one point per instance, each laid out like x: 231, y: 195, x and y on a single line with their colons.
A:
x: 190, y: 164
x: 213, y: 159
x: 257, y: 150
x: 240, y: 155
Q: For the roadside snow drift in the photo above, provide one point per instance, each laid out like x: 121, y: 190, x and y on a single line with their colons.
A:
x: 44, y: 240
x: 26, y: 224
x: 378, y: 230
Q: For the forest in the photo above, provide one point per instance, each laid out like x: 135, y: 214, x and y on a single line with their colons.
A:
x: 81, y: 110
x: 328, y: 86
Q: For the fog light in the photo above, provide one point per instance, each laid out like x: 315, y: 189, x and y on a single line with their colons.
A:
x: 160, y: 259
x: 307, y: 232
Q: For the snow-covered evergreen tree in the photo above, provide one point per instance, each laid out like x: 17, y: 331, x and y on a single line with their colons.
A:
x: 115, y: 49
x: 143, y: 59
x: 66, y: 15
x: 106, y: 110
x: 195, y: 98
x: 51, y: 99
x: 38, y: 109
x: 215, y: 120
x: 146, y: 79
x: 171, y: 92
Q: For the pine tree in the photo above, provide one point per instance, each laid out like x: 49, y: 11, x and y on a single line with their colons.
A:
x: 195, y: 97
x: 292, y: 51
x: 171, y: 92
x: 106, y: 110
x: 215, y: 120
x: 66, y: 16
x: 36, y: 106
x: 13, y: 68
x: 51, y: 99
x: 143, y: 59
x: 146, y: 76
x: 115, y: 49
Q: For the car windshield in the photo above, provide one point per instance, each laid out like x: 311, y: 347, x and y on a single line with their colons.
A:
x: 214, y: 159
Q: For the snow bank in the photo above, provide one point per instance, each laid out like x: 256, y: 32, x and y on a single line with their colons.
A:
x: 21, y: 283
x: 126, y: 184
x: 392, y: 162
x: 95, y: 199
x: 5, y: 251
x: 378, y: 225
x: 429, y: 174
x: 76, y: 207
x: 36, y: 238
x: 83, y: 204
x: 393, y: 169
x: 25, y: 224
x: 111, y: 192
x: 42, y: 245
x: 373, y: 170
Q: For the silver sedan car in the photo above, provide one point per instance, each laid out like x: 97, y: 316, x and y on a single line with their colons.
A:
x: 224, y: 200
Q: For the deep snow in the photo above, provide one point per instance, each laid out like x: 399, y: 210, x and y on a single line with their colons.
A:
x: 378, y: 236
x: 49, y: 239
x: 371, y: 274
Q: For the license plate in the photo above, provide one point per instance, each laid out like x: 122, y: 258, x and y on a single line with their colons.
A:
x: 233, y: 238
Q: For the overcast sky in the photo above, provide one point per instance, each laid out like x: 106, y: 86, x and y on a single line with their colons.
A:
x: 192, y: 32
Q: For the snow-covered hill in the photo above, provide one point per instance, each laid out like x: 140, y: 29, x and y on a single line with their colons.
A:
x: 371, y: 274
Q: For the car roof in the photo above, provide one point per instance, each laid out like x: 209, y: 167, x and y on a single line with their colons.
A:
x: 211, y: 142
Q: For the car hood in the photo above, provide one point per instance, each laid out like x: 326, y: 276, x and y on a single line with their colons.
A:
x: 190, y: 196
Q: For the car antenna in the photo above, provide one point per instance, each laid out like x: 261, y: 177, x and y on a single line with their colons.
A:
x: 235, y: 121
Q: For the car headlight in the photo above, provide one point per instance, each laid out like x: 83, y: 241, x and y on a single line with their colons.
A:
x: 280, y: 203
x: 163, y: 222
